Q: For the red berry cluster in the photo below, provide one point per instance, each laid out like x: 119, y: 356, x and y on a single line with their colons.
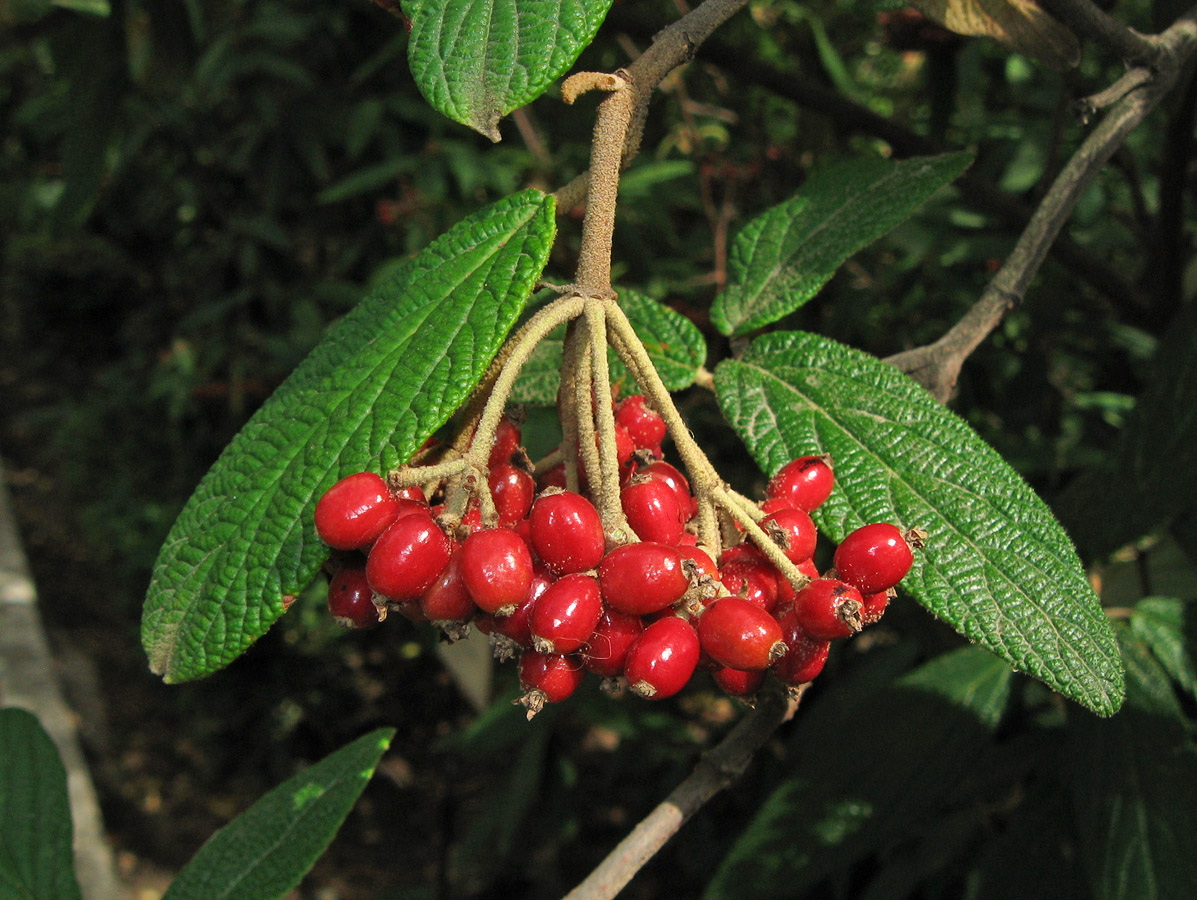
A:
x: 547, y: 584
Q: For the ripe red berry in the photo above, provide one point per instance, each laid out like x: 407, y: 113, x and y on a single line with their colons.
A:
x: 509, y: 634
x: 355, y: 511
x: 612, y: 639
x: 507, y: 442
x: 547, y: 678
x: 408, y: 557
x: 412, y: 492
x: 739, y: 634
x: 829, y: 609
x: 566, y: 614
x: 642, y: 578
x: 805, y: 656
x: 754, y: 581
x: 567, y: 532
x: 350, y: 598
x: 663, y: 658
x: 448, y: 601
x: 497, y: 569
x: 794, y: 531
x: 652, y: 510
x: 645, y: 426
x: 738, y: 682
x: 873, y: 558
x: 513, y: 490
x: 659, y: 470
x: 804, y: 482
x: 874, y: 606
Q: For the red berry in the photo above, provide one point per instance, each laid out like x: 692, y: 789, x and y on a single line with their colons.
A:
x: 642, y: 578
x: 829, y: 609
x: 738, y: 682
x: 659, y: 470
x: 412, y: 492
x: 350, y: 598
x: 702, y: 562
x: 645, y: 426
x: 511, y: 633
x: 663, y: 658
x: 794, y: 531
x: 513, y: 490
x: 547, y: 678
x: 754, y: 581
x: 355, y: 511
x: 566, y: 614
x: 448, y: 601
x: 652, y: 510
x: 552, y: 478
x: 507, y: 442
x: 408, y: 557
x: 567, y: 532
x: 740, y: 635
x: 497, y: 569
x: 805, y: 655
x: 874, y: 606
x: 804, y: 482
x: 873, y: 558
x: 612, y: 639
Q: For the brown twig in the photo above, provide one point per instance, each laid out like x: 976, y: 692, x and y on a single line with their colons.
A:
x: 1104, y: 30
x: 936, y: 366
x: 714, y: 772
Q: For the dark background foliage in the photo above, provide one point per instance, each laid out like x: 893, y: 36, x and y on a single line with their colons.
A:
x: 191, y: 192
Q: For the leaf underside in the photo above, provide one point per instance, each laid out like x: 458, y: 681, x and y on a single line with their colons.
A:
x: 381, y: 381
x: 997, y: 566
x: 782, y: 258
x: 477, y: 60
x: 1022, y: 25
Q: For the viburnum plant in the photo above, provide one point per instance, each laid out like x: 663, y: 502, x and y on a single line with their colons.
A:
x: 391, y: 461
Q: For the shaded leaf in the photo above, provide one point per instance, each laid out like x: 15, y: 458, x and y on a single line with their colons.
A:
x: 1134, y: 790
x: 264, y: 852
x: 382, y: 380
x: 477, y: 60
x: 674, y: 343
x: 997, y: 566
x: 1022, y: 25
x: 1151, y: 475
x: 1169, y: 627
x: 782, y: 258
x: 831, y: 811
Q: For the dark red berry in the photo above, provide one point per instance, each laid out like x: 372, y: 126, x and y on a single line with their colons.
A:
x: 645, y: 426
x: 511, y: 633
x: 874, y: 606
x: 567, y: 532
x: 612, y: 639
x: 513, y: 490
x: 805, y: 656
x: 448, y: 601
x: 804, y: 482
x: 566, y: 614
x: 663, y: 658
x: 739, y: 634
x: 497, y: 569
x: 507, y: 442
x: 408, y: 557
x: 794, y: 532
x: 547, y: 678
x: 350, y: 598
x: 873, y: 558
x: 829, y: 609
x: 754, y: 581
x: 642, y: 578
x: 355, y: 511
x: 652, y: 510
x: 738, y: 682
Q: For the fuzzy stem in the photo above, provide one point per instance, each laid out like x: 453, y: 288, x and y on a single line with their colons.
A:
x: 738, y: 506
x: 610, y: 505
x: 569, y: 411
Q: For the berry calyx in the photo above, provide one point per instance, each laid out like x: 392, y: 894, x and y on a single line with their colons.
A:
x: 804, y: 483
x: 567, y: 532
x: 740, y: 635
x: 496, y: 569
x: 408, y: 558
x: 663, y: 658
x: 873, y: 558
x: 355, y: 511
x: 793, y: 531
x: 829, y: 609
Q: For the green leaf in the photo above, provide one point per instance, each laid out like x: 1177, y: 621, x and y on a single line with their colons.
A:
x: 382, y: 380
x: 264, y: 852
x: 932, y: 724
x: 1134, y: 794
x: 1169, y: 627
x: 997, y: 566
x: 36, y: 858
x: 781, y: 259
x: 1151, y: 475
x: 477, y: 60
x: 674, y: 343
